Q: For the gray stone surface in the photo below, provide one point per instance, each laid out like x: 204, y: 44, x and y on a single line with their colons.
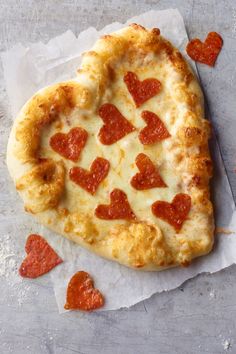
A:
x: 199, y: 317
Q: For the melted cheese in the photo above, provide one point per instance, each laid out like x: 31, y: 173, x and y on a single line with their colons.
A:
x: 122, y: 154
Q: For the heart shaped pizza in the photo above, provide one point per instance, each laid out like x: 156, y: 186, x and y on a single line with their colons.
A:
x: 117, y: 159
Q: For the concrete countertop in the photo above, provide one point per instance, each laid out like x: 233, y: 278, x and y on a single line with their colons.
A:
x: 198, y: 317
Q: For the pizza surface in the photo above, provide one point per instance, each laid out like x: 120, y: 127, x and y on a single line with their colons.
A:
x: 117, y: 159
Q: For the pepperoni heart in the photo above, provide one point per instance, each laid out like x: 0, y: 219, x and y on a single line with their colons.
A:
x: 41, y: 257
x: 154, y: 131
x: 174, y: 213
x: 81, y: 294
x: 116, y: 125
x: 71, y: 144
x: 141, y: 91
x: 206, y: 52
x: 148, y: 177
x: 118, y: 209
x: 90, y: 180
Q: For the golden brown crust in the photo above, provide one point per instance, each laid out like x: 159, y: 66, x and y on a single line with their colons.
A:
x: 42, y: 110
x: 43, y: 185
x: 142, y: 244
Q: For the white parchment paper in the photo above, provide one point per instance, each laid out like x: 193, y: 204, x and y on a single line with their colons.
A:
x: 26, y: 70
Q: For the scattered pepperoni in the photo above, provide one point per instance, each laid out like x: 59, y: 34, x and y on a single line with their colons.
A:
x: 71, y: 144
x: 41, y: 258
x: 141, y: 91
x: 205, y: 52
x: 116, y: 125
x: 174, y: 213
x: 154, y: 131
x: 118, y: 209
x: 90, y: 180
x: 148, y: 177
x: 81, y: 294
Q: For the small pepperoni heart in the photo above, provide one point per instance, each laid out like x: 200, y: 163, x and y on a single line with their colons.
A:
x: 174, y: 213
x: 141, y: 91
x: 116, y: 125
x: 118, y: 209
x: 81, y: 294
x: 90, y: 180
x: 148, y: 177
x: 154, y: 131
x: 41, y: 258
x: 71, y: 144
x: 205, y: 52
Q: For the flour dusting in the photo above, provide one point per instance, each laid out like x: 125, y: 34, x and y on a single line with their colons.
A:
x: 9, y: 264
x: 212, y: 294
x: 226, y: 344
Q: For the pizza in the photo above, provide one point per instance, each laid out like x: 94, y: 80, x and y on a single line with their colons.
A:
x: 117, y: 159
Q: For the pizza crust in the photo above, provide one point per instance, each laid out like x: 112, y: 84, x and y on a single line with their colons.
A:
x: 183, y: 160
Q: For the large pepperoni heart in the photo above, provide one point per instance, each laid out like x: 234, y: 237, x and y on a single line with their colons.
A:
x: 81, y: 294
x: 71, y: 144
x: 90, y: 180
x: 154, y: 131
x: 148, y: 177
x: 205, y: 52
x: 41, y: 258
x: 116, y: 125
x: 141, y: 91
x: 174, y: 213
x: 118, y: 209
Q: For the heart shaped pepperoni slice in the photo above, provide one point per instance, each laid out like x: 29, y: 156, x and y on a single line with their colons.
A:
x: 141, y: 91
x: 81, y: 294
x: 71, y: 144
x: 206, y: 52
x: 118, y: 209
x: 154, y: 131
x: 174, y: 213
x: 148, y: 177
x: 116, y: 125
x: 41, y: 258
x: 90, y: 180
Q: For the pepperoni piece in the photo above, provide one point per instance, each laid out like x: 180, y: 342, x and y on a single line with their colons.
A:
x: 116, y: 125
x: 81, y: 294
x: 41, y: 258
x: 154, y: 131
x: 141, y: 91
x: 174, y: 213
x: 71, y: 144
x: 205, y: 52
x: 118, y: 209
x: 90, y: 180
x: 148, y: 177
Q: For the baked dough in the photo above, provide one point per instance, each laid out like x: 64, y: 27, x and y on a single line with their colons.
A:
x: 41, y: 175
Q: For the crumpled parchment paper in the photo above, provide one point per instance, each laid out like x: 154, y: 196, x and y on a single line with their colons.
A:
x: 26, y: 70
